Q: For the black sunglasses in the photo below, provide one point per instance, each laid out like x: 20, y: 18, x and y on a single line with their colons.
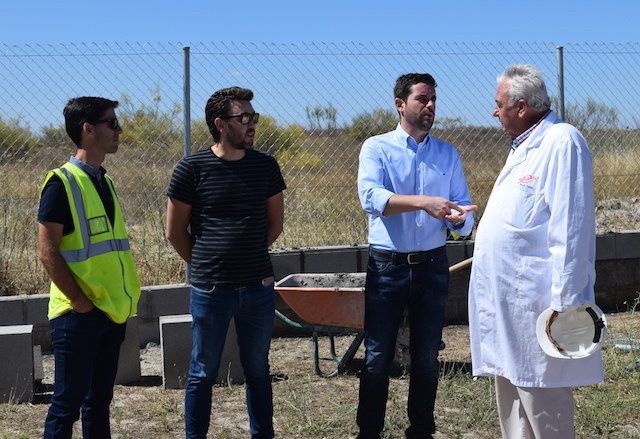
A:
x: 245, y: 118
x: 112, y: 122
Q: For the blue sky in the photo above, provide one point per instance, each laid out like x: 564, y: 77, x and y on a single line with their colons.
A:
x: 559, y: 21
x: 466, y: 86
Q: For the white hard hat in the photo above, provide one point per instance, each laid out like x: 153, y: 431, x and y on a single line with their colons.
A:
x: 573, y: 334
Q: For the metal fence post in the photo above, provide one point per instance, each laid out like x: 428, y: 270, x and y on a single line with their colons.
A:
x: 186, y: 91
x: 560, y: 50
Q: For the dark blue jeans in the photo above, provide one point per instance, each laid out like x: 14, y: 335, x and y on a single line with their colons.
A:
x: 392, y: 286
x: 86, y: 348
x: 253, y: 309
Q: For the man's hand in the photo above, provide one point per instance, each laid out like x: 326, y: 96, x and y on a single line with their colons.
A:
x: 441, y: 208
x: 177, y: 233
x: 82, y: 305
x: 456, y: 217
x: 49, y: 238
x: 437, y: 207
x: 554, y: 315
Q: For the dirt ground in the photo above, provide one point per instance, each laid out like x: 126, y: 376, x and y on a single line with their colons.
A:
x: 306, y: 406
x: 618, y: 215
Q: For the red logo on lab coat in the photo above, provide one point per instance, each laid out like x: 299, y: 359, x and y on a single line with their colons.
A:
x: 528, y: 179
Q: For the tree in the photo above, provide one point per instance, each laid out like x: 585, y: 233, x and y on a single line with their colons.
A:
x: 147, y: 125
x: 55, y: 136
x: 371, y: 123
x: 321, y: 118
x: 590, y: 115
x: 447, y: 123
x: 273, y: 138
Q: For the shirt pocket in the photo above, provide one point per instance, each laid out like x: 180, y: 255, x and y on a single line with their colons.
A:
x: 523, y: 206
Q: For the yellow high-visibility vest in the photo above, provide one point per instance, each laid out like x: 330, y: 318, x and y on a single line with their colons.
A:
x: 96, y: 252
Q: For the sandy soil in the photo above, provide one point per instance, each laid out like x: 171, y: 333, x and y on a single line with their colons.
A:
x: 306, y: 406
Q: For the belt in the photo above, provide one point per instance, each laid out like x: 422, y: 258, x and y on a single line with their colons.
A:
x: 411, y: 258
x: 212, y: 286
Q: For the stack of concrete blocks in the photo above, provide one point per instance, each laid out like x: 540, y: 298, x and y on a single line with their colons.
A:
x: 175, y: 341
x: 16, y: 363
x: 129, y: 361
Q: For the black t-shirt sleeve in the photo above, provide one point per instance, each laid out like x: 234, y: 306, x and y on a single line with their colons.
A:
x: 182, y: 184
x: 54, y: 205
x: 276, y: 181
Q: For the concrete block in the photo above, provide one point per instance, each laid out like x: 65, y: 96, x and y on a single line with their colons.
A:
x: 36, y: 310
x: 156, y: 301
x: 605, y: 247
x: 176, y: 341
x: 12, y: 310
x: 175, y: 345
x: 230, y: 371
x: 164, y: 300
x: 129, y: 360
x: 16, y: 363
x: 331, y: 260
x: 616, y: 284
x: 468, y: 248
x: 627, y: 245
x: 455, y: 251
x: 363, y: 257
x: 38, y: 366
x: 286, y: 263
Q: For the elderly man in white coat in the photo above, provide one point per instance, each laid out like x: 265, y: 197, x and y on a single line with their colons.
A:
x: 534, y: 249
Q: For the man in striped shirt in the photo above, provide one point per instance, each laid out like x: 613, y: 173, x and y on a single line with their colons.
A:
x: 225, y: 208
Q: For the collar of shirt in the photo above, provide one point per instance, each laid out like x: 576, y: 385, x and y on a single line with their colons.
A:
x: 93, y: 172
x: 410, y: 141
x: 522, y: 137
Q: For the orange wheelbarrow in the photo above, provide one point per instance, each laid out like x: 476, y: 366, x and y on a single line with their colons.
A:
x: 329, y: 304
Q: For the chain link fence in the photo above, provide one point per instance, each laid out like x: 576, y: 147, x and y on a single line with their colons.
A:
x: 318, y: 102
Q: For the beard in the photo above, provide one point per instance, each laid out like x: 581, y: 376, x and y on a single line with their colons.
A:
x: 240, y: 140
x: 420, y: 121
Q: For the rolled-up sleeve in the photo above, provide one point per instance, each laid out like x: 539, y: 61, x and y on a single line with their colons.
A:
x: 371, y: 191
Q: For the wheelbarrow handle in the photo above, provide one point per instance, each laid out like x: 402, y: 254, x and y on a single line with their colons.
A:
x: 460, y: 265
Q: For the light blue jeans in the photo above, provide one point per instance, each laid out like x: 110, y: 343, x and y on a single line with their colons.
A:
x: 252, y: 308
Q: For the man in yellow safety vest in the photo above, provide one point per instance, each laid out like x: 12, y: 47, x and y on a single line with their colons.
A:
x: 84, y: 247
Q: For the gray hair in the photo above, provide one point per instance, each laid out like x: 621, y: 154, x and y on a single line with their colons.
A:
x: 525, y: 82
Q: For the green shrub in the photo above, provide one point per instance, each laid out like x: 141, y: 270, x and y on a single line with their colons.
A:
x: 372, y: 123
x: 272, y: 138
x: 16, y: 140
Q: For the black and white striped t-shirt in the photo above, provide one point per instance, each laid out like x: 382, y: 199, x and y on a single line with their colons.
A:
x: 228, y: 214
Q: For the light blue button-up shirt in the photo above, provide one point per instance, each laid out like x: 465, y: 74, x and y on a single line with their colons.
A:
x: 394, y: 163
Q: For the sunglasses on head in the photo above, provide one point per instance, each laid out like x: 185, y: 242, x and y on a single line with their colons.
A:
x: 245, y: 118
x: 112, y: 122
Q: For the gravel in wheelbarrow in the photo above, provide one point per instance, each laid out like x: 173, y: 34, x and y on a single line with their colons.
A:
x: 326, y: 299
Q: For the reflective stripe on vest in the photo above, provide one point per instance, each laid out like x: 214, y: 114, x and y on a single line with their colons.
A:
x: 89, y: 249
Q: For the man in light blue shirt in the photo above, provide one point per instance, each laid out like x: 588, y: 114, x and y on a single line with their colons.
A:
x: 412, y: 186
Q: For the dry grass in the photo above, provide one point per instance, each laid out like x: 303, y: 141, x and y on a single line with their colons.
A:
x: 307, y: 406
x: 321, y: 202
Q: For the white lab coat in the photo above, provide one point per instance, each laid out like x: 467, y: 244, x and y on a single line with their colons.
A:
x: 534, y: 248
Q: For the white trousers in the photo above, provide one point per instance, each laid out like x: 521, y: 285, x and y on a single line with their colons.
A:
x: 534, y: 412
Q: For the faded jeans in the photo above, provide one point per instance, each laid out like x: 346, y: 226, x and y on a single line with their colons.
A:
x: 253, y: 309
